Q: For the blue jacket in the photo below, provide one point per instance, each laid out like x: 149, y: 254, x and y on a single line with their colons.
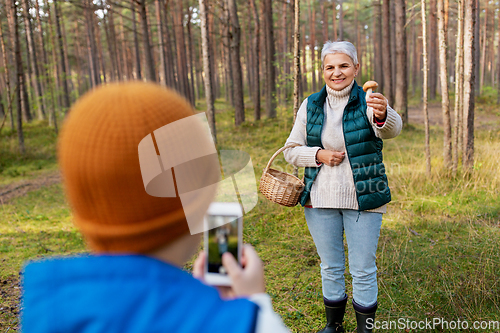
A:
x: 125, y: 293
x: 364, y: 149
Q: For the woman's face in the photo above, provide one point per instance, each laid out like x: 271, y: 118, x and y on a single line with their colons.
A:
x: 339, y: 70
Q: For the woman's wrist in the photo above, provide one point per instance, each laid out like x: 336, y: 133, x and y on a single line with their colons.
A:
x: 317, y: 161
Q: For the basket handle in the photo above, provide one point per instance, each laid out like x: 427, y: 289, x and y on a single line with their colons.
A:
x: 277, y: 153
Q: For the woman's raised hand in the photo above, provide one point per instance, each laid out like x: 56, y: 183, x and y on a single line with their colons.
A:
x: 378, y: 103
x: 330, y: 157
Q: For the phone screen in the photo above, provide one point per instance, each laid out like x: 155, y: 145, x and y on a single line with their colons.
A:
x: 220, y: 240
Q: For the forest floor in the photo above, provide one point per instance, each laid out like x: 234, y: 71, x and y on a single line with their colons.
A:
x: 438, y: 229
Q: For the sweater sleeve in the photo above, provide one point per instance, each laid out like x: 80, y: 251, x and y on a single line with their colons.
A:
x: 268, y: 321
x: 391, y: 127
x: 302, y: 156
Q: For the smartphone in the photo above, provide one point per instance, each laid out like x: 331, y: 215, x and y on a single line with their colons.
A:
x: 223, y: 225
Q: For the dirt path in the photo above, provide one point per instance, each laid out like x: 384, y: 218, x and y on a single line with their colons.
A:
x: 481, y: 121
x: 20, y: 188
x: 415, y: 114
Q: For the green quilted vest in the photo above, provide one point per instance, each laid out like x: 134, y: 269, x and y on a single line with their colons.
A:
x: 364, y: 149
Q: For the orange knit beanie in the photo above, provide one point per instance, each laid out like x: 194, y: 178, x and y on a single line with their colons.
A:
x: 98, y: 157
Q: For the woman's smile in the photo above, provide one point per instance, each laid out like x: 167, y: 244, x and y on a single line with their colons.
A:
x: 339, y: 71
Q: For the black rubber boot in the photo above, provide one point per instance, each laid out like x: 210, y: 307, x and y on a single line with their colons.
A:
x: 365, y: 317
x: 334, y: 316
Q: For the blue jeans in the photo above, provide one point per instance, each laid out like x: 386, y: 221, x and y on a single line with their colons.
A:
x: 362, y: 230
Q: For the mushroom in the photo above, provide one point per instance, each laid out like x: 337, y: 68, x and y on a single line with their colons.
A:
x: 368, y: 87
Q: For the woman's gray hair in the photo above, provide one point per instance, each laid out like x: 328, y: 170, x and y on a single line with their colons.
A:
x: 339, y: 47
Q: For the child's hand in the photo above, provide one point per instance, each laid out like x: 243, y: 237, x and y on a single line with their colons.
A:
x: 249, y: 279
x: 246, y: 281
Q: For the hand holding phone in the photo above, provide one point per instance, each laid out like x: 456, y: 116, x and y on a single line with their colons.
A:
x: 245, y: 281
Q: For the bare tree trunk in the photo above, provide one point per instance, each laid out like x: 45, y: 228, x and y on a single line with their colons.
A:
x: 296, y: 65
x: 341, y: 20
x: 24, y: 109
x: 256, y: 57
x: 386, y: 49
x: 182, y: 69
x: 168, y: 49
x: 163, y: 60
x: 483, y: 53
x: 498, y: 60
x: 305, y: 86
x: 100, y: 54
x: 313, y: 43
x: 33, y: 58
x: 415, y: 55
x: 393, y: 48
x: 14, y: 30
x: 114, y: 44
x: 63, y: 62
x: 150, y: 66
x: 459, y: 77
x: 469, y: 81
x: 270, y: 66
x: 91, y: 47
x: 424, y: 92
x: 433, y: 59
x: 334, y: 24
x: 324, y: 21
x: 207, y: 67
x: 189, y: 49
x: 136, y: 43
x: 112, y: 55
x: 127, y: 75
x: 401, y: 100
x: 7, y: 77
x: 443, y: 70
x: 377, y: 44
x: 235, y: 34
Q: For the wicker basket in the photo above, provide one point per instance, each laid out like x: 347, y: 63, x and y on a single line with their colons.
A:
x: 280, y: 187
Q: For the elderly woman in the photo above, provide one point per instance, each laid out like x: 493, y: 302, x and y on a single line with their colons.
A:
x: 346, y: 189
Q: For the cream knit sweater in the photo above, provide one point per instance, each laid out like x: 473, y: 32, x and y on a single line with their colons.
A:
x: 334, y: 186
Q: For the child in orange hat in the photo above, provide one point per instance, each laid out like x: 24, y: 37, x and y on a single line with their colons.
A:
x: 133, y: 281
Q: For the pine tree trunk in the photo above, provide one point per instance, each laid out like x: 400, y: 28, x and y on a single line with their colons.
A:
x: 127, y: 75
x: 304, y: 87
x: 256, y: 57
x: 386, y: 50
x: 341, y: 20
x: 296, y: 59
x: 14, y: 31
x: 163, y: 61
x: 424, y: 92
x: 190, y: 57
x: 169, y: 55
x: 138, y: 72
x: 483, y: 52
x: 270, y: 66
x: 33, y: 58
x: 377, y: 45
x: 63, y: 59
x: 334, y: 23
x: 401, y: 98
x: 498, y: 60
x: 182, y: 70
x: 443, y: 70
x: 433, y: 58
x: 313, y: 43
x: 469, y: 82
x: 114, y: 44
x: 150, y: 66
x: 393, y: 48
x: 207, y: 67
x: 459, y: 77
x: 7, y: 78
x: 235, y: 34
